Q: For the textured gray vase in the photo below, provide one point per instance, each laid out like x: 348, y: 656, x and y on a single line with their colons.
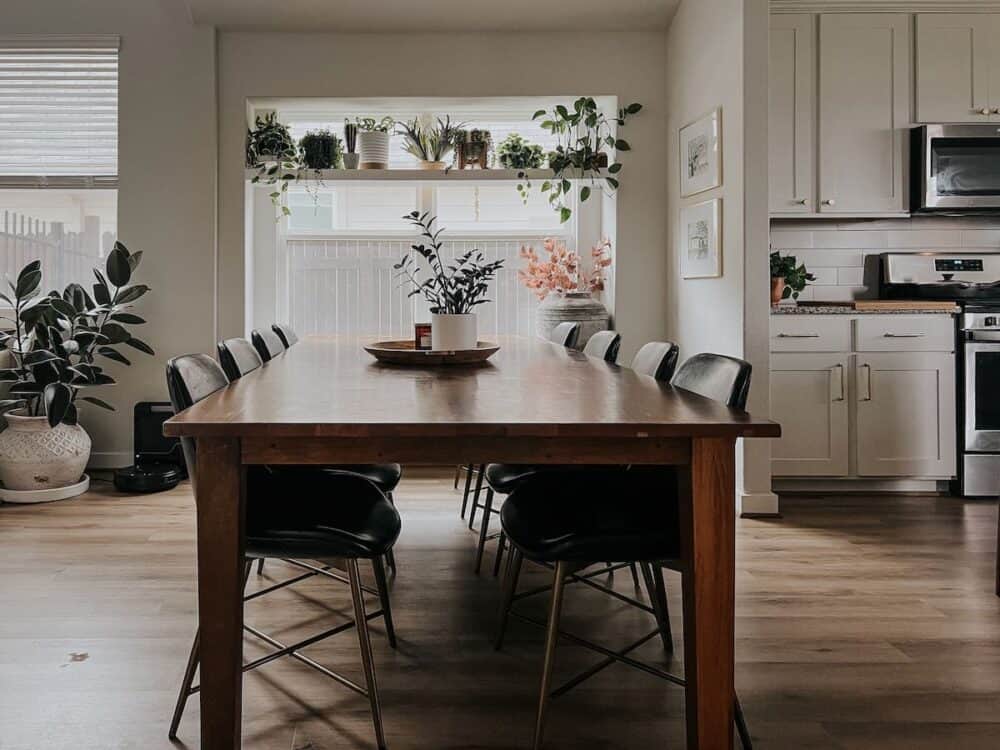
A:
x: 578, y: 307
x: 34, y: 456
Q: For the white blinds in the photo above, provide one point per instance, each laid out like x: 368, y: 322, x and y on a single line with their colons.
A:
x: 58, y: 111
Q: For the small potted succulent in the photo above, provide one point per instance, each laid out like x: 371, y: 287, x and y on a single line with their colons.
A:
x: 351, y: 156
x: 788, y: 277
x: 428, y: 141
x: 320, y: 149
x: 374, y: 138
x: 453, y: 289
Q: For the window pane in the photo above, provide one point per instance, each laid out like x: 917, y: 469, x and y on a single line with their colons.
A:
x: 495, y: 208
x: 311, y: 214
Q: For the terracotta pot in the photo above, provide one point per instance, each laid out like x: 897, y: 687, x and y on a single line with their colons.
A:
x: 578, y: 307
x: 777, y: 289
x: 34, y: 456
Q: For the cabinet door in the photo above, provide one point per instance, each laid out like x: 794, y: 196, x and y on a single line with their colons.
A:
x: 809, y: 398
x: 864, y: 112
x: 953, y: 61
x: 792, y: 121
x: 906, y: 415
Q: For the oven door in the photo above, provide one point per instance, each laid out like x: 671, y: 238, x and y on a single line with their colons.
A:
x: 959, y: 167
x: 982, y: 396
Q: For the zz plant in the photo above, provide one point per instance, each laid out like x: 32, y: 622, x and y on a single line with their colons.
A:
x: 57, y: 340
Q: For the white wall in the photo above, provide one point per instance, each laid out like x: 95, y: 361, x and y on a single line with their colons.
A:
x: 166, y: 199
x: 717, y: 57
x: 631, y: 66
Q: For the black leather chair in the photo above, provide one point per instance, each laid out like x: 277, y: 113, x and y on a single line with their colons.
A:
x: 604, y: 345
x: 284, y: 520
x: 238, y: 358
x: 575, y: 519
x: 267, y: 343
x: 285, y: 333
x: 566, y: 334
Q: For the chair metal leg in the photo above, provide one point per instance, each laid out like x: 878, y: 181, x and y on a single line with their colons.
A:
x: 260, y: 566
x: 741, y: 725
x: 365, y: 643
x: 501, y: 545
x: 509, y: 590
x: 458, y: 473
x: 475, y: 496
x: 661, y: 594
x: 468, y: 489
x: 484, y: 528
x: 383, y: 597
x: 390, y: 556
x: 551, y: 639
x: 657, y: 596
x: 192, y: 667
x: 635, y: 576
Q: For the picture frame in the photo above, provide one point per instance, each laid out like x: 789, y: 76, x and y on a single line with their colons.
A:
x: 700, y: 240
x: 701, y: 154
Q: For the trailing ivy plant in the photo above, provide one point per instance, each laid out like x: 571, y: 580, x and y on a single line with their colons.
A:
x: 57, y: 339
x: 583, y: 133
x: 271, y: 151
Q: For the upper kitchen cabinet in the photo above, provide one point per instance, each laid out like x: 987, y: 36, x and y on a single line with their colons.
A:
x: 958, y: 68
x: 864, y: 112
x: 792, y: 92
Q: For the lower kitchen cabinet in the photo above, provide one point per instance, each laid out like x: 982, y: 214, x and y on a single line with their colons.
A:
x: 905, y: 420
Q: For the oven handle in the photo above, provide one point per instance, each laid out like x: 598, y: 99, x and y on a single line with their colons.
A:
x: 984, y: 336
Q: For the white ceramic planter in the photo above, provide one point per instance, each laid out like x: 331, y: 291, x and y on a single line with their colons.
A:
x: 374, y: 146
x: 578, y: 307
x: 454, y: 332
x: 34, y: 456
x: 351, y: 161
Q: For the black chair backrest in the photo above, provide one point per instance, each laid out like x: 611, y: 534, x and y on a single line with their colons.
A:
x: 716, y: 376
x: 565, y: 334
x: 604, y: 344
x: 191, y: 378
x: 657, y: 359
x: 285, y: 333
x: 267, y: 343
x: 238, y: 357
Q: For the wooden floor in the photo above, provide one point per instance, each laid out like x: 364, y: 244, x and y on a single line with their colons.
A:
x: 862, y: 623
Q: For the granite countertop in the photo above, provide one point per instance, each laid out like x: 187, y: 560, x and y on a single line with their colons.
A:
x: 842, y: 310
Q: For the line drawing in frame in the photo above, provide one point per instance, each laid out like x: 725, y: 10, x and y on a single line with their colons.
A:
x: 700, y: 144
x: 700, y: 240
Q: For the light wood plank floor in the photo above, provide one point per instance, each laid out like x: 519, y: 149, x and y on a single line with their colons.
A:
x: 862, y: 623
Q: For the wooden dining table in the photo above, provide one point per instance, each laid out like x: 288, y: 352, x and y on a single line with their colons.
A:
x: 326, y: 401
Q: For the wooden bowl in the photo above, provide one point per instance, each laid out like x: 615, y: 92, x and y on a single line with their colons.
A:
x: 405, y: 353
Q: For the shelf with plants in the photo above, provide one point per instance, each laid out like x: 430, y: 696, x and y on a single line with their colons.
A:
x: 349, y: 175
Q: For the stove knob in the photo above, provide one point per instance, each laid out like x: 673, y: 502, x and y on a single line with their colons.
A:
x: 990, y: 321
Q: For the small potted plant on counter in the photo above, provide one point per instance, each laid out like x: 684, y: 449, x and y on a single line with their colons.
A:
x: 351, y: 156
x: 320, y: 149
x: 788, y: 277
x: 429, y: 142
x: 55, y: 341
x: 374, y: 136
x: 454, y: 288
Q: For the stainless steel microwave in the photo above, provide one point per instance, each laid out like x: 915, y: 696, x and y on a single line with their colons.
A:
x: 956, y: 168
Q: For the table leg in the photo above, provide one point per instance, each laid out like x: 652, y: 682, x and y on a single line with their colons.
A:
x: 708, y: 529
x: 219, y: 496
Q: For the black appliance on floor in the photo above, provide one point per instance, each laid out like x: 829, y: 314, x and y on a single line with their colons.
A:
x: 159, y: 461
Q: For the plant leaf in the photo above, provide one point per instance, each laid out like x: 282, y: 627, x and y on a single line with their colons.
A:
x: 57, y: 398
x: 118, y: 268
x: 141, y: 345
x: 97, y: 402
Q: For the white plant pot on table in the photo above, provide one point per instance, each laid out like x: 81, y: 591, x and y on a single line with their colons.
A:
x: 35, y: 457
x: 454, y: 332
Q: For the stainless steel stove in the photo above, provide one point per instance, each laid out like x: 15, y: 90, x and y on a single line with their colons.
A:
x: 971, y: 280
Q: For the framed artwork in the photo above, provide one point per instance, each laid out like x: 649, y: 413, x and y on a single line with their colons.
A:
x: 701, y: 154
x: 700, y: 240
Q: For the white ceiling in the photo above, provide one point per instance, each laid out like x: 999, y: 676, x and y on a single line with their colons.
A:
x: 434, y: 15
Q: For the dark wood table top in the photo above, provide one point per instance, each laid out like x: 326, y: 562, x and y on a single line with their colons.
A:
x: 330, y: 387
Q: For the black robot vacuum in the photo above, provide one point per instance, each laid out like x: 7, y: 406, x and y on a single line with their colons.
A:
x: 159, y: 461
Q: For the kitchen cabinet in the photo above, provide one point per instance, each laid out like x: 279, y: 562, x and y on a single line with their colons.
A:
x: 792, y: 119
x: 864, y: 396
x: 957, y: 78
x: 864, y: 112
x: 809, y: 399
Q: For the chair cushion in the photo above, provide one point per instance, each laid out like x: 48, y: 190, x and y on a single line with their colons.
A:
x: 383, y: 476
x: 299, y: 512
x: 617, y: 515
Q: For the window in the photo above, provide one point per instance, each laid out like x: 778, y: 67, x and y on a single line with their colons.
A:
x: 58, y: 153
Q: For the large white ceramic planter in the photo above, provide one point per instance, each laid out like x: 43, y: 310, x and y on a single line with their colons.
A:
x: 374, y: 147
x: 34, y: 456
x: 454, y: 332
x: 576, y: 307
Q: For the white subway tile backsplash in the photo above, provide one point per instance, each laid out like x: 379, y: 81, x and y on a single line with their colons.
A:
x: 849, y: 239
x: 830, y: 258
x: 924, y: 239
x: 787, y: 239
x: 850, y: 276
x: 837, y: 293
x: 827, y: 276
x: 982, y: 238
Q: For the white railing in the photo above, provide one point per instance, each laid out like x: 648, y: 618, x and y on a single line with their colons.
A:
x: 350, y: 286
x: 66, y: 256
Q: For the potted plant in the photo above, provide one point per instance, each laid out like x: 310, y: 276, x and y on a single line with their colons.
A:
x: 374, y: 138
x: 584, y: 132
x: 516, y: 153
x: 320, y: 149
x: 473, y: 148
x: 272, y: 153
x: 55, y: 344
x: 453, y: 289
x: 351, y: 156
x: 788, y: 277
x: 565, y: 288
x: 429, y: 142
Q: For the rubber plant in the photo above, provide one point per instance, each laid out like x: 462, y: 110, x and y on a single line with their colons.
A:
x: 583, y: 133
x: 57, y: 340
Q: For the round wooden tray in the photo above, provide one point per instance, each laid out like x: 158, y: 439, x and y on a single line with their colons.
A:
x: 404, y: 353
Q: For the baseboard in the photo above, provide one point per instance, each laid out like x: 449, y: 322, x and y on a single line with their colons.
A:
x: 927, y: 486
x: 757, y: 504
x: 109, y: 460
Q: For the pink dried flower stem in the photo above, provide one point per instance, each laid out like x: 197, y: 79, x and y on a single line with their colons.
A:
x: 561, y: 272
